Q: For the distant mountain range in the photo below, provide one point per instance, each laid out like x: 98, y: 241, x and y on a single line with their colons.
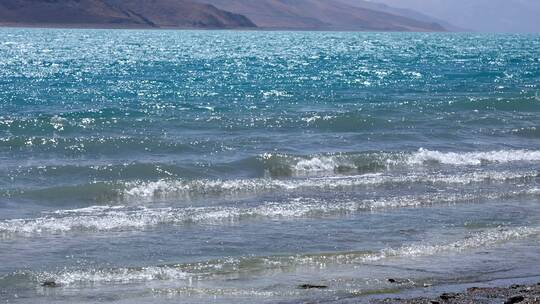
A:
x: 250, y: 14
x: 322, y: 15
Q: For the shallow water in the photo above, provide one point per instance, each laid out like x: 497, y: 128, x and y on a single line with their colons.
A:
x: 228, y: 167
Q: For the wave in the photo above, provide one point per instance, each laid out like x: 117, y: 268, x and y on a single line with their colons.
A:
x: 529, y: 132
x: 277, y: 165
x: 251, y: 264
x: 118, y: 218
x: 272, y: 165
x: 55, y: 174
x: 93, y: 144
x: 237, y: 292
x: 164, y: 189
x: 424, y: 156
x: 179, y: 188
x: 111, y: 275
x: 516, y: 103
x: 370, y: 162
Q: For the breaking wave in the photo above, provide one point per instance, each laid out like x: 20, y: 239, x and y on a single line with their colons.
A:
x: 424, y: 156
x: 343, y: 163
x: 119, y: 218
x: 179, y: 188
x: 163, y: 189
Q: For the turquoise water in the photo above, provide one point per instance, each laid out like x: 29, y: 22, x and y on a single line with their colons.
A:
x: 232, y: 167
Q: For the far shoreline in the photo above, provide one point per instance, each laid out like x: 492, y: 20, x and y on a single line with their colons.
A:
x: 238, y: 29
x: 243, y: 29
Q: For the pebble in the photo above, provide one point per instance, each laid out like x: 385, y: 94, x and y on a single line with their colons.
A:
x: 311, y: 286
x: 448, y: 296
x: 514, y: 299
x: 49, y: 284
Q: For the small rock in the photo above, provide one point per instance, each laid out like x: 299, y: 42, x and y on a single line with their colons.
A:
x: 398, y: 281
x: 514, y: 299
x: 49, y: 284
x: 311, y: 286
x: 448, y: 296
x: 434, y: 302
x: 516, y: 286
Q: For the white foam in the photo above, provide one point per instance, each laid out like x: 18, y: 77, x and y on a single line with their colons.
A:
x: 473, y: 158
x: 191, y: 291
x: 477, y: 240
x: 317, y: 164
x: 117, y: 275
x: 329, y: 164
x: 107, y: 218
x: 167, y: 188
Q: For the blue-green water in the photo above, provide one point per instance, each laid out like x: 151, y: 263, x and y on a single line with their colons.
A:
x: 231, y: 167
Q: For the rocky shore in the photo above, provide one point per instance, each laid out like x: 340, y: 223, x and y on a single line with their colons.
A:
x: 525, y: 294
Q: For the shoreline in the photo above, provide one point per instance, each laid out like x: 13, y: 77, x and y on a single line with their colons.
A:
x: 244, y: 29
x: 506, y: 290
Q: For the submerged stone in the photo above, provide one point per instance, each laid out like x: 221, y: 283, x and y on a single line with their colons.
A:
x: 514, y: 299
x: 49, y: 283
x: 312, y: 286
x: 448, y: 296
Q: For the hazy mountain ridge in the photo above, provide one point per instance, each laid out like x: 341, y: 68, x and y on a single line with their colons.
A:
x: 269, y: 14
x: 321, y: 14
x: 405, y: 12
x: 479, y: 15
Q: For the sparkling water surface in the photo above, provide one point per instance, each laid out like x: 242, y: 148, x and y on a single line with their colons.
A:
x: 233, y: 167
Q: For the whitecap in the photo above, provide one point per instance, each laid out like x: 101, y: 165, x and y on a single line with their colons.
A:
x: 171, y: 188
x: 473, y: 158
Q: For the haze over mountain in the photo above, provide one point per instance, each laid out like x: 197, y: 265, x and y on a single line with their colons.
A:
x: 269, y: 14
x: 479, y: 15
x: 409, y: 13
x: 322, y: 15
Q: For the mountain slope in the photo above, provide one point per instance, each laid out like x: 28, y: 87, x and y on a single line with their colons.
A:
x: 320, y: 14
x: 118, y: 13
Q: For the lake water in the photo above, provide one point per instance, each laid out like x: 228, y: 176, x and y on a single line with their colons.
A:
x: 233, y: 167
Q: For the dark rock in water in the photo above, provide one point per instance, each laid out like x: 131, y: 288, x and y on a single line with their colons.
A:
x: 49, y: 284
x: 516, y: 286
x: 434, y: 302
x: 448, y: 296
x: 311, y: 286
x: 398, y: 281
x: 514, y: 299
